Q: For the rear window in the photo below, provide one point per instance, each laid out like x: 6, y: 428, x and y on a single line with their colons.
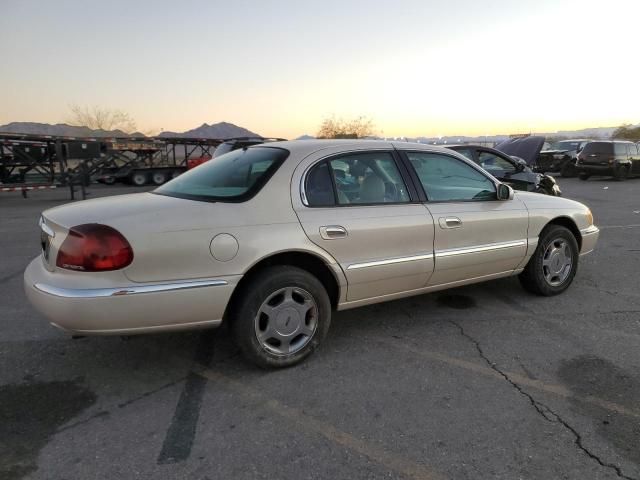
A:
x: 233, y: 177
x: 602, y: 148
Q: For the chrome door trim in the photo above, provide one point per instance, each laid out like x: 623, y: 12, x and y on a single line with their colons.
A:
x: 480, y: 248
x: 125, y: 291
x: 390, y: 261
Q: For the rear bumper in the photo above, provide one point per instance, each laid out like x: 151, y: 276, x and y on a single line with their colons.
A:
x: 590, y: 237
x: 130, y: 309
x: 595, y: 169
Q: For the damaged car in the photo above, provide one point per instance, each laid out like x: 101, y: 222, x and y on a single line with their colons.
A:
x: 511, y: 170
x: 543, y: 157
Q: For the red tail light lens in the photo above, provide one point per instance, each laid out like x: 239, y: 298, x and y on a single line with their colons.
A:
x: 94, y: 248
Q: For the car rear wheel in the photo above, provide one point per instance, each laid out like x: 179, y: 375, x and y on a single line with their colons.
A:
x: 554, y: 263
x: 583, y: 176
x: 280, y: 317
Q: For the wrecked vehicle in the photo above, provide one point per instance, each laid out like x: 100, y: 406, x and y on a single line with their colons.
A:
x: 512, y: 170
x: 557, y: 157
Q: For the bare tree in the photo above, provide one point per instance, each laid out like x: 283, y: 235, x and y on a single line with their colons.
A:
x: 627, y: 132
x: 333, y: 127
x: 100, y: 118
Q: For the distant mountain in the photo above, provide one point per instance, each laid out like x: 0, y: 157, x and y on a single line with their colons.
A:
x: 216, y: 130
x: 62, y: 130
x: 306, y: 137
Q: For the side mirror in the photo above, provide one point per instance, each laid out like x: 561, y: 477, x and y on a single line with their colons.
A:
x: 505, y: 192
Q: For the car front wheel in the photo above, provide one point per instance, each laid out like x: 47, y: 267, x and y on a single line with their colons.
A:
x: 621, y: 172
x: 280, y: 317
x: 554, y: 263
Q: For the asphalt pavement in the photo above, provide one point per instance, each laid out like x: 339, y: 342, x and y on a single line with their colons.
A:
x: 480, y: 382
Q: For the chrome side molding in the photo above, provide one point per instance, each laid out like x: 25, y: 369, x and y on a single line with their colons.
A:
x: 389, y: 261
x: 480, y: 248
x: 124, y: 291
x: 589, y: 230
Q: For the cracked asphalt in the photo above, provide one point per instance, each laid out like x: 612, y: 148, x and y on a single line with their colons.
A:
x: 485, y: 381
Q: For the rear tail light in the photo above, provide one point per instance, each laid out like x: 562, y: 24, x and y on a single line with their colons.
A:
x: 94, y: 248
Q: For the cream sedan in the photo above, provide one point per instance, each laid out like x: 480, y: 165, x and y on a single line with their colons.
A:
x: 273, y: 238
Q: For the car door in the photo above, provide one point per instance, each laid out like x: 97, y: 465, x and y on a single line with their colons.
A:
x: 358, y: 206
x: 476, y: 235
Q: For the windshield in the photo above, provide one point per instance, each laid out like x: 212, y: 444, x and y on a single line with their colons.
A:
x: 233, y: 177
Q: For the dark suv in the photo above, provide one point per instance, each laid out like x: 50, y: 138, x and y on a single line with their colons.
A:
x: 613, y: 158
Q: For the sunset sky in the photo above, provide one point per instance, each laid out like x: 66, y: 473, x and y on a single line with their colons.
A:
x: 279, y: 67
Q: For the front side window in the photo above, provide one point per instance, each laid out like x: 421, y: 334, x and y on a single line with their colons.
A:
x: 232, y: 177
x: 448, y: 179
x: 494, y: 163
x: 357, y: 179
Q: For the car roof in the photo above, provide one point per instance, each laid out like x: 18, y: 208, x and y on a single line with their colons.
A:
x: 306, y: 147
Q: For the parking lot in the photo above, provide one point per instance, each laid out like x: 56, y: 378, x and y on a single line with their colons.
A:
x: 485, y: 381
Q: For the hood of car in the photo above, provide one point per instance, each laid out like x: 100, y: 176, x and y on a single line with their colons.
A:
x: 527, y: 148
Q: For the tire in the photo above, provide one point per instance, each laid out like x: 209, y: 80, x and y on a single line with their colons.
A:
x: 547, y: 272
x: 109, y: 180
x: 583, y: 176
x: 620, y: 172
x: 139, y: 179
x: 158, y: 178
x: 282, y: 305
x: 568, y: 170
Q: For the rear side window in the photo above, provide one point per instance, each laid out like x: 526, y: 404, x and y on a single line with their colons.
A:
x: 620, y: 148
x: 598, y: 148
x: 370, y: 178
x: 633, y: 149
x: 233, y: 177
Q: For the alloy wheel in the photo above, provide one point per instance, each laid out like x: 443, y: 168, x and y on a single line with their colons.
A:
x: 557, y: 262
x: 286, y: 321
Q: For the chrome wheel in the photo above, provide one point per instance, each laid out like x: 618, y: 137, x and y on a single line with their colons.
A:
x: 286, y: 321
x: 557, y: 262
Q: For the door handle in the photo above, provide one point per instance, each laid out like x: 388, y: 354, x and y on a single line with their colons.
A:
x: 331, y: 232
x: 450, y: 222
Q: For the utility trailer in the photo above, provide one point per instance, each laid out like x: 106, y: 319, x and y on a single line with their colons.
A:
x: 34, y: 162
x: 139, y: 162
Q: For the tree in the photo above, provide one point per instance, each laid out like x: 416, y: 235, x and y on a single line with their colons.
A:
x: 100, y: 118
x: 333, y: 127
x: 627, y: 132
